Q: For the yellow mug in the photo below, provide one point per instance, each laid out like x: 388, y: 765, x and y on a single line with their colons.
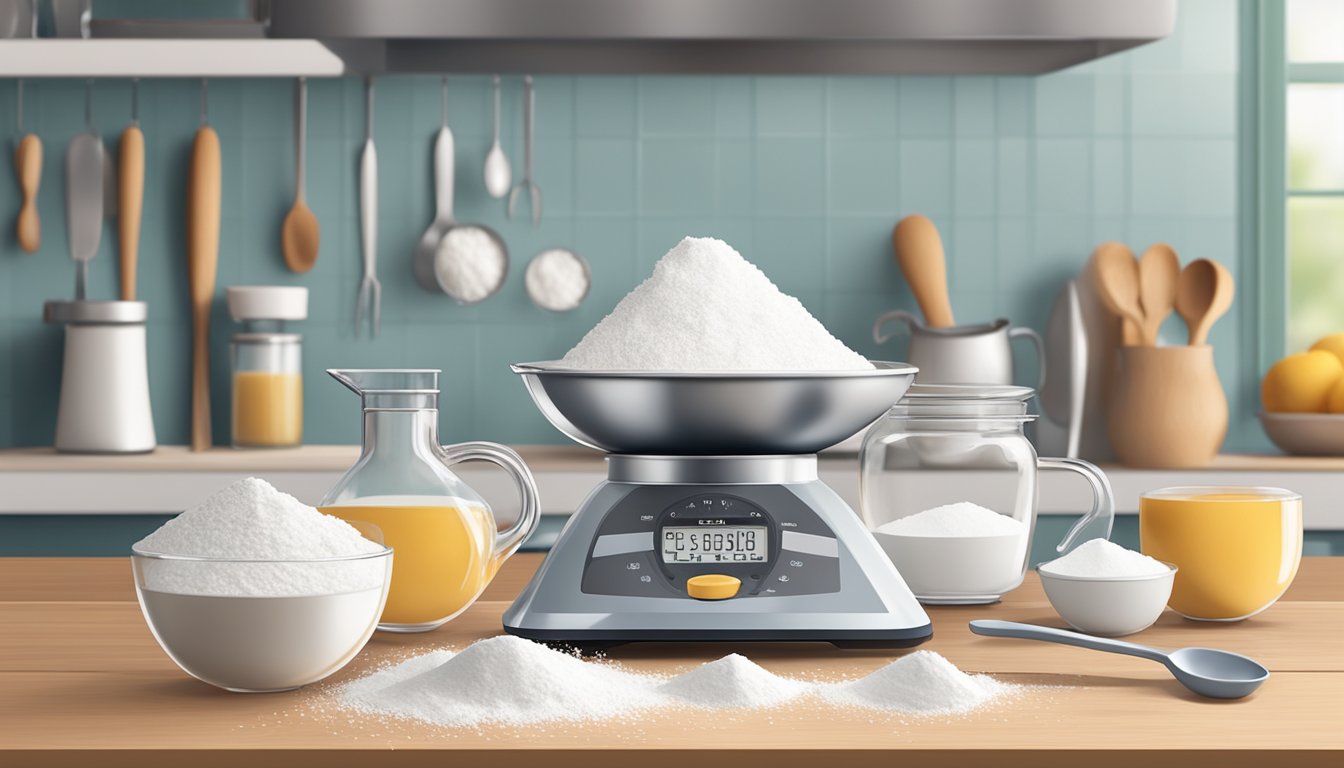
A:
x: 1237, y: 548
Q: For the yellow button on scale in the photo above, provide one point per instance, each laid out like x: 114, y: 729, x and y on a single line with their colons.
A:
x: 712, y: 586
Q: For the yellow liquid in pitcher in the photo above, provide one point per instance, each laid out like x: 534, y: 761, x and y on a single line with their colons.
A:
x: 442, y: 554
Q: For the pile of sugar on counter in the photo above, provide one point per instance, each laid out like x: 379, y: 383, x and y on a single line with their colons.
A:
x: 511, y: 681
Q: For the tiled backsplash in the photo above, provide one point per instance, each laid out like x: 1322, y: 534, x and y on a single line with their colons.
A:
x: 804, y: 175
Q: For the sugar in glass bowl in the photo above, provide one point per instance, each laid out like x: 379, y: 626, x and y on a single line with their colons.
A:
x: 261, y: 625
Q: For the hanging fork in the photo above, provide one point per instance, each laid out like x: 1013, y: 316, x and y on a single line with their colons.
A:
x: 534, y: 192
x: 368, y: 308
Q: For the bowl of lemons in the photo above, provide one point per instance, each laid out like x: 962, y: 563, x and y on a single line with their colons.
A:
x: 1303, y: 400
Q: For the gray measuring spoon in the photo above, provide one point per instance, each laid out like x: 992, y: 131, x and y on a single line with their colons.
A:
x: 1206, y: 671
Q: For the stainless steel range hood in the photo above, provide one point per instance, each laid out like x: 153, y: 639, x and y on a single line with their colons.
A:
x: 726, y: 36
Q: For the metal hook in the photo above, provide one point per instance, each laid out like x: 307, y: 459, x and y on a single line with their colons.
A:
x: 444, y: 104
x: 205, y: 101
x: 135, y: 101
x: 88, y: 104
x: 368, y: 106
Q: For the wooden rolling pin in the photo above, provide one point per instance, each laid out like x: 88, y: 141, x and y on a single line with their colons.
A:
x: 203, y: 200
x: 131, y: 191
x: 919, y: 252
x: 28, y: 162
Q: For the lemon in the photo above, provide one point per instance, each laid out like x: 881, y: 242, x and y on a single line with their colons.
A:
x: 1301, y: 383
x: 1334, y: 343
x: 1336, y: 402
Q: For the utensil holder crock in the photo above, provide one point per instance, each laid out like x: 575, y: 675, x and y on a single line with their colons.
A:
x: 1167, y: 409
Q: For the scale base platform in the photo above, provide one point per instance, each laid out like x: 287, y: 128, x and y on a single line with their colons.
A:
x: 607, y: 580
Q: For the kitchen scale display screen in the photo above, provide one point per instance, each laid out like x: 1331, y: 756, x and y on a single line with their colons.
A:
x: 720, y: 544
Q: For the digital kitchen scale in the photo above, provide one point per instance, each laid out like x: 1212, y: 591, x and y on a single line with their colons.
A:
x: 712, y: 524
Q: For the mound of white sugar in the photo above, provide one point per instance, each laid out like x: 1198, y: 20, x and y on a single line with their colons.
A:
x: 469, y: 263
x: 962, y: 519
x: 251, y: 520
x: 557, y: 280
x: 505, y: 680
x: 733, y: 681
x: 511, y: 681
x: 371, y: 684
x: 1105, y: 559
x: 923, y: 683
x: 705, y: 308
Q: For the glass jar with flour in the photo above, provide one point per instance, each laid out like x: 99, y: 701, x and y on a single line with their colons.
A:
x: 948, y: 488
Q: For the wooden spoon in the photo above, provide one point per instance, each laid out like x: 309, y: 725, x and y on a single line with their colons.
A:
x: 1118, y: 287
x: 1203, y: 295
x: 919, y: 252
x: 300, y: 235
x: 1159, y: 269
x: 28, y: 161
x: 203, y: 200
x: 131, y: 191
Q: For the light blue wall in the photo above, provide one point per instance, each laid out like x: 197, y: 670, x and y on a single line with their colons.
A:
x: 804, y: 175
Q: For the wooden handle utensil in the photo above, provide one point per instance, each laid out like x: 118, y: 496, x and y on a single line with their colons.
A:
x: 131, y: 192
x: 28, y: 163
x: 1204, y: 294
x: 1117, y: 274
x: 203, y: 201
x: 1159, y: 270
x: 919, y: 252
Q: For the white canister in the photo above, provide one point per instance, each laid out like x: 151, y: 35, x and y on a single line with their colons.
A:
x: 105, y: 380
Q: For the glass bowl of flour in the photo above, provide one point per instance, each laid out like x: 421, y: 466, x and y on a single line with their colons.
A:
x: 254, y: 591
x: 261, y: 625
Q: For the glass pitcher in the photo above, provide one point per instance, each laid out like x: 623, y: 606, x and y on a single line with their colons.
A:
x: 948, y: 488
x: 446, y: 545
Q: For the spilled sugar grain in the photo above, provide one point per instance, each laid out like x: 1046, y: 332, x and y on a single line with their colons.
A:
x: 503, y: 680
x: 510, y: 681
x: 733, y: 682
x: 923, y: 683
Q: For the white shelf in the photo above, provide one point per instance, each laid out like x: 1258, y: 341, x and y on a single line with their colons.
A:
x: 169, y: 58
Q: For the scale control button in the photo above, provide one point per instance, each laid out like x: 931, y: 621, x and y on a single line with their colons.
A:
x: 712, y: 586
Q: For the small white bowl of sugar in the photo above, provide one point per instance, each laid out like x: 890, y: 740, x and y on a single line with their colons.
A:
x: 1101, y: 588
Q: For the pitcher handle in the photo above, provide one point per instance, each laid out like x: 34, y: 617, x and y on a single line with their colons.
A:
x: 911, y: 322
x: 1103, y: 501
x: 506, y: 541
x: 1037, y: 342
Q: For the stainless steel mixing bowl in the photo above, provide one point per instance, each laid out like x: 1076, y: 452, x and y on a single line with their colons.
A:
x: 707, y: 414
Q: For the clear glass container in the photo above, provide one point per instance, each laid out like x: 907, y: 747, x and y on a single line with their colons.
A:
x: 267, y: 389
x: 1237, y: 547
x: 250, y: 625
x: 446, y: 542
x: 948, y: 488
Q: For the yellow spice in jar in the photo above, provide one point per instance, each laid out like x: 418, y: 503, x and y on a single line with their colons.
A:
x: 267, y: 409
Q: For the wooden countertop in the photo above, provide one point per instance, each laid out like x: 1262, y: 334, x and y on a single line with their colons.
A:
x: 82, y: 682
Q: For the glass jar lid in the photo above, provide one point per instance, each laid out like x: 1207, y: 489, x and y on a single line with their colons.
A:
x: 964, y: 401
